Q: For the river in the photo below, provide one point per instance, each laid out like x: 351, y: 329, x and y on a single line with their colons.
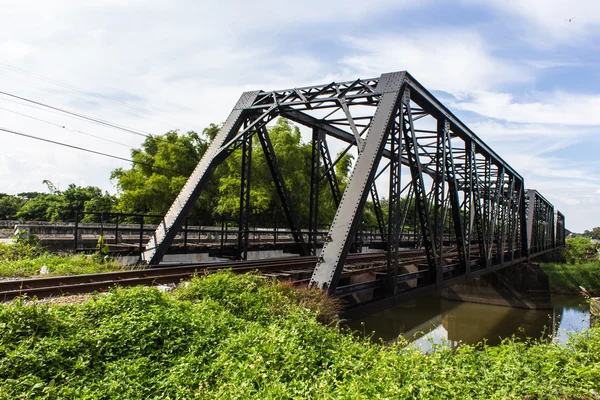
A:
x: 435, y: 321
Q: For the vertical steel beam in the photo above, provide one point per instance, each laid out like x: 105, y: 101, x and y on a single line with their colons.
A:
x: 454, y: 201
x: 506, y: 218
x: 495, y: 212
x: 395, y: 187
x: 315, y: 178
x: 282, y: 191
x: 468, y: 203
x: 347, y: 217
x: 245, y: 209
x: 531, y: 203
x: 522, y: 229
x: 416, y: 170
x: 439, y: 193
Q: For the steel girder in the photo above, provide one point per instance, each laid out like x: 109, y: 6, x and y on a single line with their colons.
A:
x: 244, y: 213
x: 315, y: 178
x: 560, y: 230
x: 476, y: 201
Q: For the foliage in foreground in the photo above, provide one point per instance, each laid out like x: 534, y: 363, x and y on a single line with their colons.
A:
x: 26, y: 259
x: 243, y: 337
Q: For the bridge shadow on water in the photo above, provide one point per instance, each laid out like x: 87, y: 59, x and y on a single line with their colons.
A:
x: 433, y: 320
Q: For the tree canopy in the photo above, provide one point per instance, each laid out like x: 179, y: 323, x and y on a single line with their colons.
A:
x: 63, y: 205
x: 593, y: 234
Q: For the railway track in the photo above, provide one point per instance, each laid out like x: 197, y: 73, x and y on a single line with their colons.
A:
x: 296, y: 269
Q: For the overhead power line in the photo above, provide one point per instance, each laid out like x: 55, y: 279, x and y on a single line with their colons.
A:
x: 65, y: 128
x: 88, y: 150
x: 78, y: 115
x: 93, y: 94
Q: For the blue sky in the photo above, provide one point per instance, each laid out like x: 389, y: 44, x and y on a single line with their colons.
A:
x: 520, y: 74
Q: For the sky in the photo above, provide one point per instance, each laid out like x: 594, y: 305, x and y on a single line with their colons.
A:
x: 524, y: 76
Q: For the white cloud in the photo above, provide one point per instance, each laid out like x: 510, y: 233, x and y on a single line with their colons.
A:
x: 544, y: 108
x: 533, y: 139
x: 13, y: 50
x: 187, y: 61
x: 455, y: 61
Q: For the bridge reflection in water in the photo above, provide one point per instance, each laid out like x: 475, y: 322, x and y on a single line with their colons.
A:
x: 433, y: 320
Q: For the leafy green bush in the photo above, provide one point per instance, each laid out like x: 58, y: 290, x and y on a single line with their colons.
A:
x: 223, y: 336
x: 580, y: 249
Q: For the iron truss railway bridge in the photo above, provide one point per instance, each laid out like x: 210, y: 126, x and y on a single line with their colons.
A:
x: 475, y: 214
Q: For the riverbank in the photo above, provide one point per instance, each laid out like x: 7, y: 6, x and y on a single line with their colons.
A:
x: 226, y: 336
x: 570, y: 278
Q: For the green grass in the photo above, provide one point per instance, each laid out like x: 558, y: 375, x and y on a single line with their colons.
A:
x: 242, y: 337
x: 567, y: 278
x: 23, y: 260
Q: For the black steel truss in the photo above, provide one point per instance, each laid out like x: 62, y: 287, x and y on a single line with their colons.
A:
x: 473, y: 213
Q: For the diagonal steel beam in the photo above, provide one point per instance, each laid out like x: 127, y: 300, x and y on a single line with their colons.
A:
x: 159, y: 242
x: 348, y: 215
x: 282, y: 191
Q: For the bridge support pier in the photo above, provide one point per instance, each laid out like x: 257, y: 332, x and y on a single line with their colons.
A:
x: 522, y: 286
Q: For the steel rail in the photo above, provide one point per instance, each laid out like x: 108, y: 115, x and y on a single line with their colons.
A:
x: 45, y: 287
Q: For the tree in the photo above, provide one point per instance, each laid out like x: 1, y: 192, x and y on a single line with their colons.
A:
x: 293, y: 158
x: 162, y: 166
x: 9, y: 206
x: 38, y: 209
x: 29, y: 195
x: 63, y: 206
x: 593, y: 234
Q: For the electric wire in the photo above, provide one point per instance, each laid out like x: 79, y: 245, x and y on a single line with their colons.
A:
x: 68, y: 129
x: 89, y: 93
x: 33, y: 106
x: 78, y: 115
x: 71, y: 96
x: 88, y: 150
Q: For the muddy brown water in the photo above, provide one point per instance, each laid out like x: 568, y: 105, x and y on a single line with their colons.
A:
x: 434, y: 321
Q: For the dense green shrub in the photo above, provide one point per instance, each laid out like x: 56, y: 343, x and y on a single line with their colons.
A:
x: 243, y: 337
x: 580, y: 249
